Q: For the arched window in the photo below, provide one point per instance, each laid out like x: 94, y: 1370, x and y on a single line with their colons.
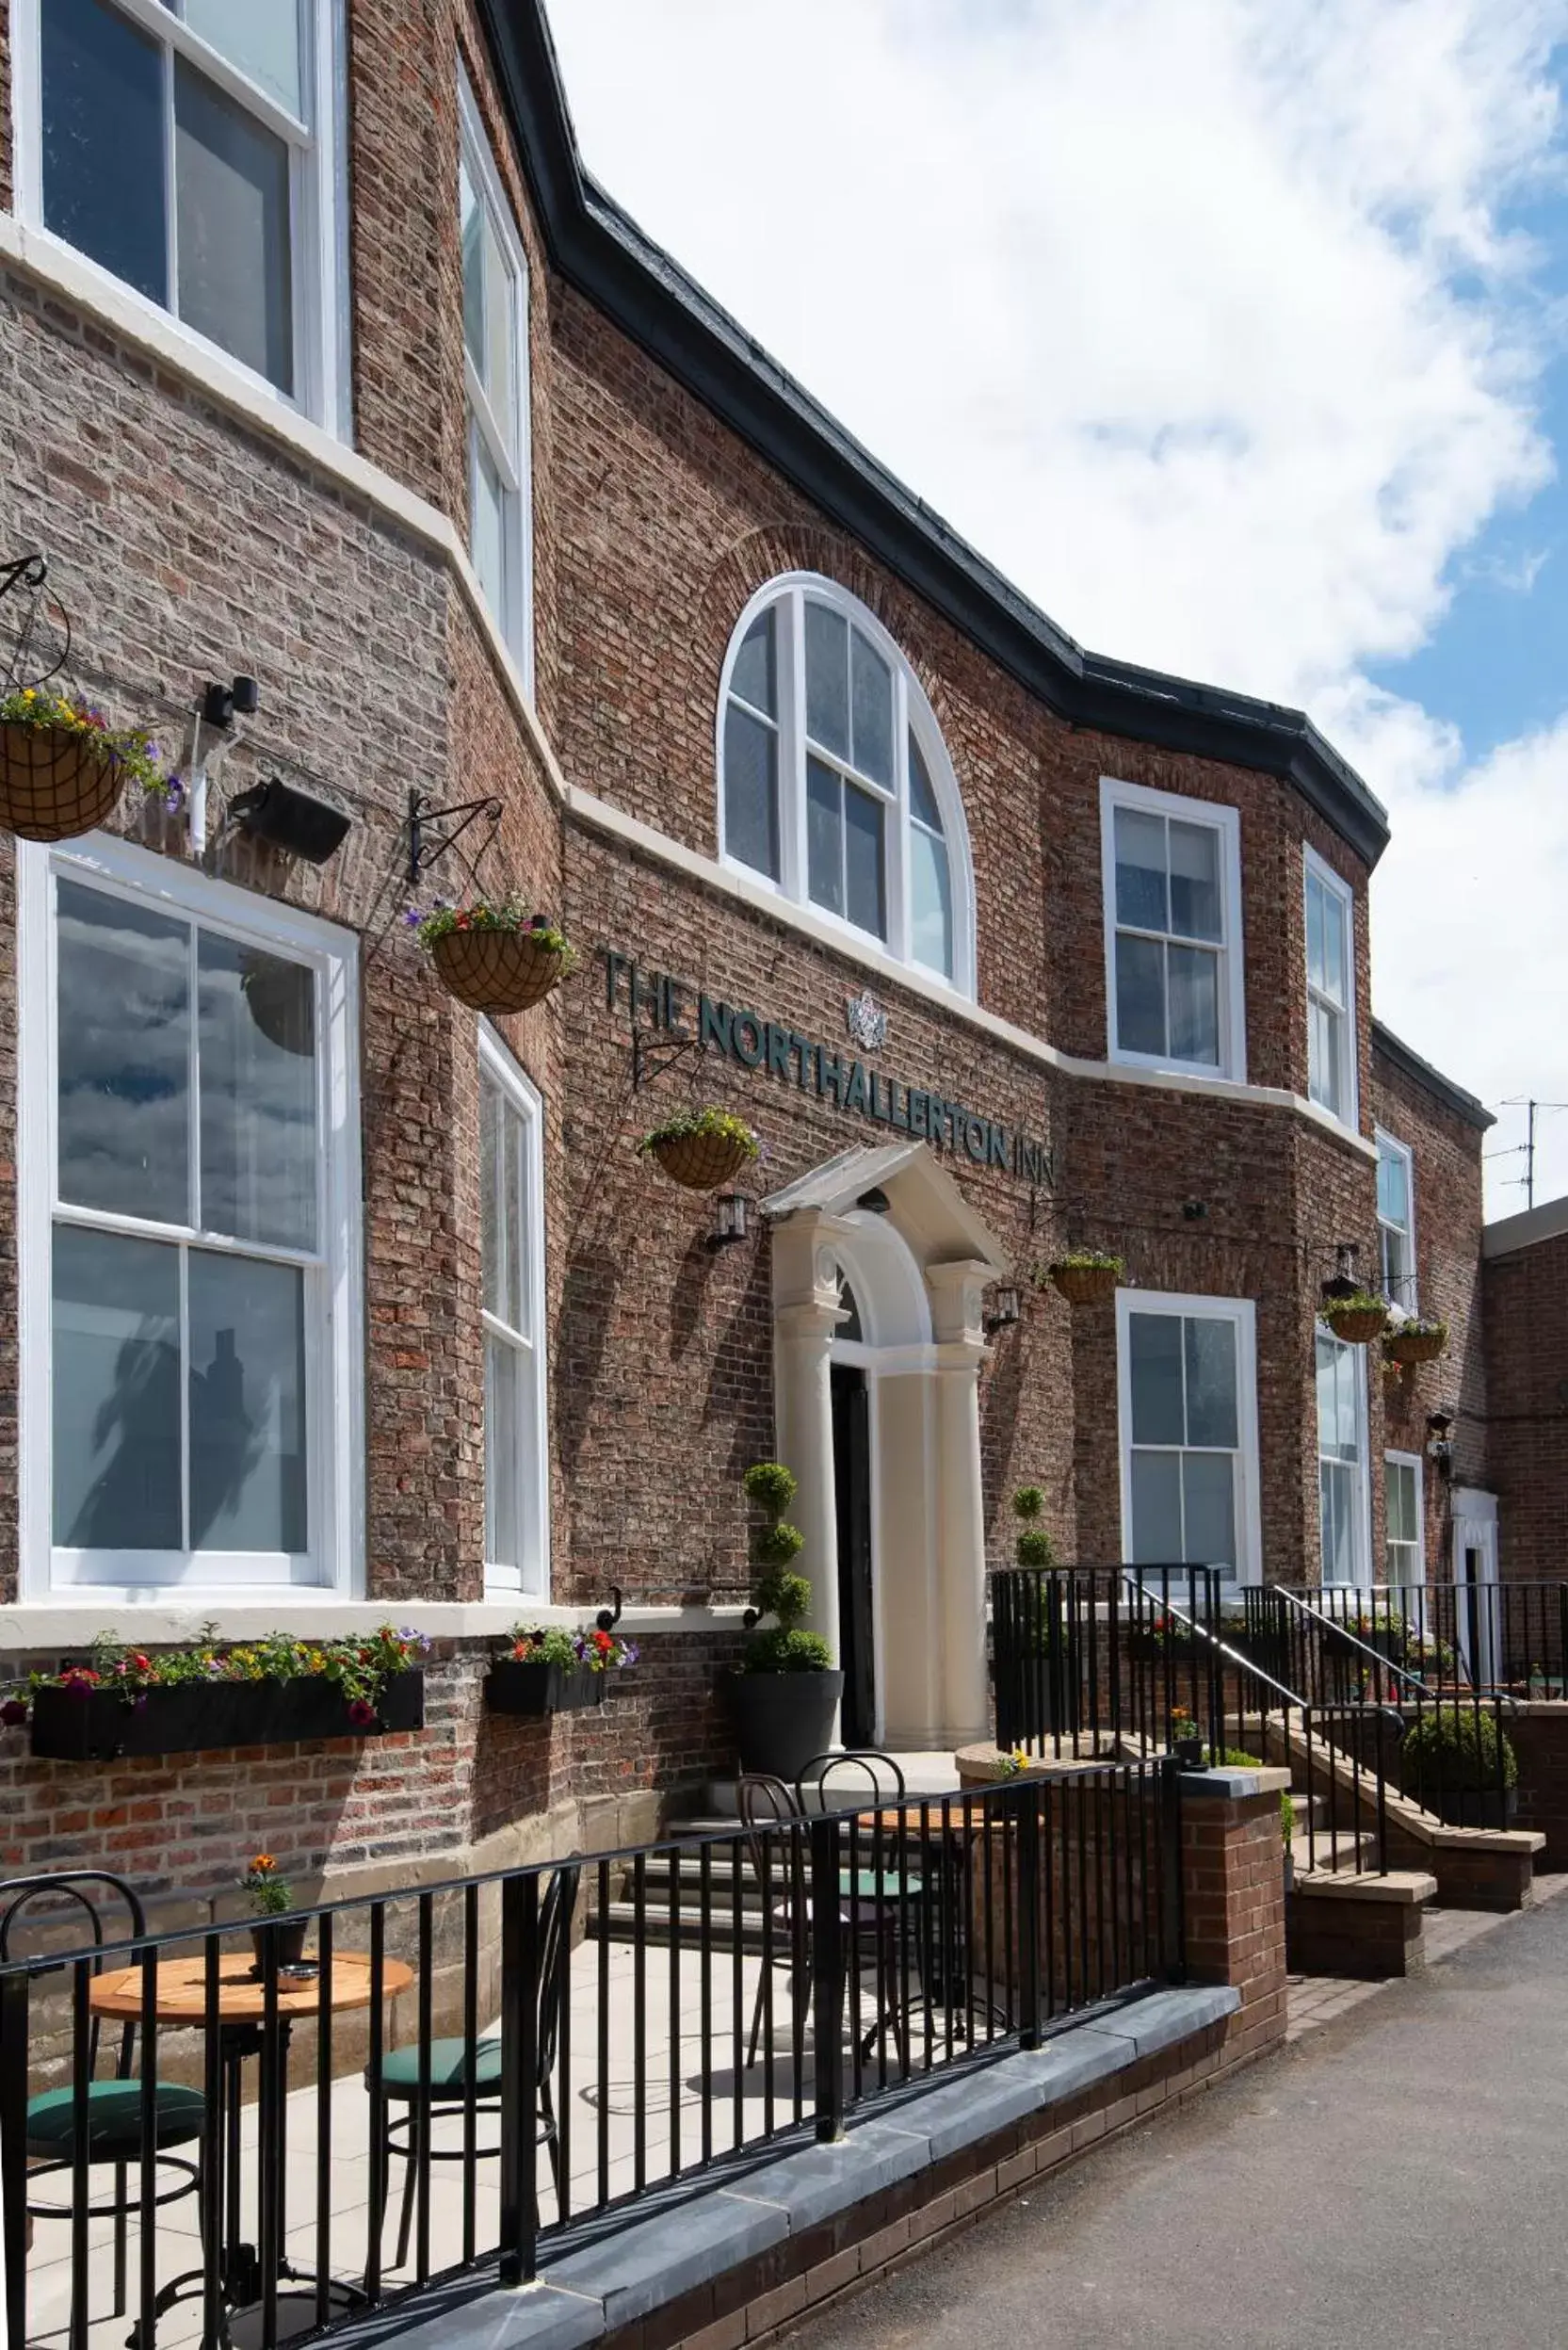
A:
x: 835, y: 783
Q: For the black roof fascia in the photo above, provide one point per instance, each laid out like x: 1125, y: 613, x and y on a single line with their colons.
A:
x: 1411, y: 1065
x: 599, y: 251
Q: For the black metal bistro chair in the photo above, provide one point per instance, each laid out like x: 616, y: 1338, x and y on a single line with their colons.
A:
x: 114, y: 2104
x: 773, y: 1818
x: 454, y: 2063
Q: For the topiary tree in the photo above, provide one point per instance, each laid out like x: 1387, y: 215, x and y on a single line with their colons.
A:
x: 785, y: 1645
x: 1034, y: 1547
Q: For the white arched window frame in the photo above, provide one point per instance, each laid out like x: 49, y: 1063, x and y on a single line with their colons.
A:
x: 781, y: 858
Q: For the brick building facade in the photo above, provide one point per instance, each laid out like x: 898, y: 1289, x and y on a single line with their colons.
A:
x: 508, y: 511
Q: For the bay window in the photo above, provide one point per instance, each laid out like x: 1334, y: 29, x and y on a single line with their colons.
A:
x: 1331, y: 991
x: 1397, y: 1222
x: 1342, y: 1459
x: 1174, y: 981
x: 512, y: 1250
x: 1188, y: 1427
x: 496, y: 373
x: 191, y: 150
x: 189, y: 1284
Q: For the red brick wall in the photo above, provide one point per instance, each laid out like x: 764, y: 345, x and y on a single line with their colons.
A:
x: 1448, y: 1203
x: 1526, y: 1296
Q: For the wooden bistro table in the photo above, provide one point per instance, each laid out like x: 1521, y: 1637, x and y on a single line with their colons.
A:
x: 180, y: 1998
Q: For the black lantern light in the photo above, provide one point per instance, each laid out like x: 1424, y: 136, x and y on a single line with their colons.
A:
x: 1440, y: 1448
x: 732, y: 1211
x: 1005, y: 1309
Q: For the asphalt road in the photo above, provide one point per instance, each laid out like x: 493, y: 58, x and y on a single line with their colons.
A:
x: 1399, y: 2177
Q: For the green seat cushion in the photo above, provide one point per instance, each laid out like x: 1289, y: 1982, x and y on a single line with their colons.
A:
x: 113, y: 2120
x: 448, y: 2068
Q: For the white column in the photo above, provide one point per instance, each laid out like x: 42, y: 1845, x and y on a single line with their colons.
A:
x: 956, y: 1319
x: 806, y: 1313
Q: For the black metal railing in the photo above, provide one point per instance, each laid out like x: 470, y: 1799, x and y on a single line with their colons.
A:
x: 1511, y: 1636
x: 1452, y: 1754
x: 1094, y: 1660
x: 513, y: 2086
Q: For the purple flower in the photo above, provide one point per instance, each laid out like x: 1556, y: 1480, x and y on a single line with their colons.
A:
x: 628, y: 1652
x: 13, y: 1712
x: 414, y: 917
x: 139, y: 1705
x: 176, y: 792
x: 362, y: 1714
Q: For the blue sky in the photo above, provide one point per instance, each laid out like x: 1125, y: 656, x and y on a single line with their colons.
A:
x: 1237, y: 332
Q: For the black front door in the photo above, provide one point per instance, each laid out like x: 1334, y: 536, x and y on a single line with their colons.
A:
x: 852, y: 1495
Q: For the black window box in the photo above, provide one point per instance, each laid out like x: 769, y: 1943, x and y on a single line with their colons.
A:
x: 194, y: 1717
x: 533, y: 1691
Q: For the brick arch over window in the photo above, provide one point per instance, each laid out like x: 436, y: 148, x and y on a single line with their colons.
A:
x: 835, y: 783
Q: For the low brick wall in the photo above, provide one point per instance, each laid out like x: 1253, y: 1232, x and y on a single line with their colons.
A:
x: 1539, y: 1736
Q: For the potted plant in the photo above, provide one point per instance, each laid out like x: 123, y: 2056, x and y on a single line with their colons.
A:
x: 788, y: 1688
x: 1357, y: 1315
x: 1031, y: 1703
x: 494, y: 954
x: 554, y: 1671
x: 270, y: 1898
x: 1186, y: 1743
x: 63, y: 767
x: 200, y: 1695
x: 701, y: 1148
x: 1233, y: 1760
x: 1414, y: 1341
x: 1455, y: 1761
x: 1085, y: 1274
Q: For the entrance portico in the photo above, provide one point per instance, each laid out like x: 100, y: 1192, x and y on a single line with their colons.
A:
x: 879, y: 1266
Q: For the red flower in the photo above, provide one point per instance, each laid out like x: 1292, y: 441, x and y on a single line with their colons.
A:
x: 13, y: 1712
x: 362, y: 1714
x: 143, y: 1665
x: 602, y: 1642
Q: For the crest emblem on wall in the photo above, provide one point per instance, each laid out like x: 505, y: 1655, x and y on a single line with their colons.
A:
x: 865, y: 1021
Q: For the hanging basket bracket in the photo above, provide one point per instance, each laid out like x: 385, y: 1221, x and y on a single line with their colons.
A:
x: 427, y: 843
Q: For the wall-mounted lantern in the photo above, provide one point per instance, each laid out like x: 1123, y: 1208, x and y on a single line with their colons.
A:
x: 1005, y: 1309
x: 1440, y: 1449
x: 731, y: 1219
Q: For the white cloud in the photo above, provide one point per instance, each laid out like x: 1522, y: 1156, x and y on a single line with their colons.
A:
x: 1198, y: 317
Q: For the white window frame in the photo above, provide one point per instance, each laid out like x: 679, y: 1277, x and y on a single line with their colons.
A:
x: 1241, y: 1313
x: 1226, y: 822
x: 1407, y: 1305
x: 1413, y: 1462
x: 1316, y: 867
x: 912, y: 713
x: 1361, y: 1514
x: 532, y: 1580
x: 334, y: 1344
x: 512, y: 458
x: 318, y: 193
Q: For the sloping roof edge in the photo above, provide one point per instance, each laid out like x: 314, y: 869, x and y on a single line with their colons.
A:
x: 601, y: 251
x: 1411, y: 1065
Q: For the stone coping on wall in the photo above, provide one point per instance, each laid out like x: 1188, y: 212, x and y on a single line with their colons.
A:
x: 1405, y: 1887
x: 29, y: 1627
x: 606, y: 2286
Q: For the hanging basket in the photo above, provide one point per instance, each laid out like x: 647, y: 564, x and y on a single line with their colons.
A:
x: 1082, y: 1285
x: 700, y: 1161
x: 1409, y: 1346
x: 497, y: 970
x: 1358, y: 1325
x: 56, y: 783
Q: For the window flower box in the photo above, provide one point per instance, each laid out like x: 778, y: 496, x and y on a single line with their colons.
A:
x: 554, y: 1671
x: 99, y: 1724
x: 529, y: 1691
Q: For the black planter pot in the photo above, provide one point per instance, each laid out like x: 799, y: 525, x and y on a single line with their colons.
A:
x: 287, y: 1937
x: 1191, y: 1753
x: 198, y: 1717
x: 784, y: 1719
x: 531, y: 1691
x: 1472, y: 1806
